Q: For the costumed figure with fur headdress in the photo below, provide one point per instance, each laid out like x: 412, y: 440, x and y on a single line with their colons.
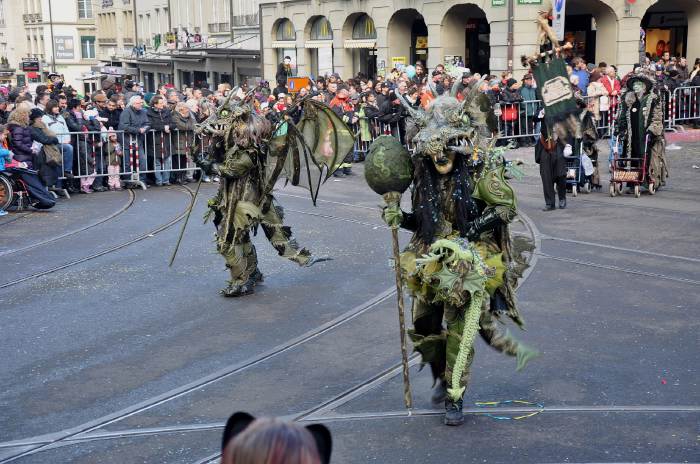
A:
x: 459, y: 265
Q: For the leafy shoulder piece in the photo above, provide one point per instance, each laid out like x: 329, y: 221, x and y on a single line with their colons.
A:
x: 308, y: 153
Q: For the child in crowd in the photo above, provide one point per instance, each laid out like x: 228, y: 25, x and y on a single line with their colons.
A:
x: 5, y: 155
x: 114, y: 160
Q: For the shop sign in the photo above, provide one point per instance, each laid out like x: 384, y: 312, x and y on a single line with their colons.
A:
x: 65, y: 47
x: 559, y: 13
x: 529, y: 2
x: 498, y: 2
x: 29, y: 65
x: 397, y: 61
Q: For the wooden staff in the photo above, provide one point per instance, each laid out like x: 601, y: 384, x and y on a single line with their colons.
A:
x: 393, y: 199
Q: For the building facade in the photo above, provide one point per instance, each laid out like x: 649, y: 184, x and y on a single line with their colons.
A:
x: 372, y: 36
x: 195, y: 43
x: 59, y: 34
x: 12, y: 51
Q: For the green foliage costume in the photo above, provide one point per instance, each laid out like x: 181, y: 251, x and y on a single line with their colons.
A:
x: 458, y: 265
x: 249, y: 155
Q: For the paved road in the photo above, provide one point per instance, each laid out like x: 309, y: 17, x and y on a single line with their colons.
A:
x: 111, y: 356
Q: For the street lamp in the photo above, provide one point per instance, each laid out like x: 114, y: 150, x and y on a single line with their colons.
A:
x: 53, y: 44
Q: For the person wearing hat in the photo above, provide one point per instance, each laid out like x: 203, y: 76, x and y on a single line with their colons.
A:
x: 463, y: 84
x: 510, y: 99
x: 641, y: 128
x: 531, y: 108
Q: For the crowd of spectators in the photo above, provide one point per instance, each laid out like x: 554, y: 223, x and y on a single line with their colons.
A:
x: 91, y: 143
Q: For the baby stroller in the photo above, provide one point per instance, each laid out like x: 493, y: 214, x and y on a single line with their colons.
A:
x: 22, y: 188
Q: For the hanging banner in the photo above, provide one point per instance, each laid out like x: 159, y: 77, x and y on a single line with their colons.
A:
x: 558, y: 11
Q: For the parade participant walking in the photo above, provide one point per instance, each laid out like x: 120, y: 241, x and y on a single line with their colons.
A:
x: 239, y: 154
x: 457, y: 265
x: 641, y: 128
x: 549, y: 154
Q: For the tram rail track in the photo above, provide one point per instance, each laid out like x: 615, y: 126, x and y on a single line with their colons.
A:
x: 98, y: 254
x: 90, y: 431
x: 84, y: 432
x: 123, y: 209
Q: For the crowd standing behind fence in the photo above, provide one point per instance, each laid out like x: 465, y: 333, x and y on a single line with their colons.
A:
x: 125, y: 137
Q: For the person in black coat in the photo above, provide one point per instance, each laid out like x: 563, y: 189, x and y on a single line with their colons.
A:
x: 111, y: 113
x: 21, y: 136
x: 134, y: 122
x: 549, y: 154
x: 42, y: 135
x: 158, y: 140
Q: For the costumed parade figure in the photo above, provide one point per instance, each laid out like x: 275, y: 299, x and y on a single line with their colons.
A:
x: 641, y: 129
x: 458, y: 264
x: 250, y: 155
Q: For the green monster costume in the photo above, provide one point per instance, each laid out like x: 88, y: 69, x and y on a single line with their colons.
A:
x: 249, y: 155
x: 458, y: 266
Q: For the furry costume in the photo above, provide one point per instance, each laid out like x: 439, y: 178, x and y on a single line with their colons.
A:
x: 458, y: 266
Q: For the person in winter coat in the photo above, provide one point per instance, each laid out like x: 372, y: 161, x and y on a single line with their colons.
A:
x: 159, y: 139
x: 85, y: 138
x: 529, y: 110
x: 596, y: 91
x: 510, y: 99
x: 114, y: 161
x: 57, y: 124
x: 184, y: 123
x: 43, y: 141
x: 343, y: 107
x: 134, y: 122
x: 21, y: 136
x: 39, y: 197
x: 111, y: 113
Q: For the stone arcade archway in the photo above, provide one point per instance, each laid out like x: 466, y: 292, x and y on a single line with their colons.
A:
x: 591, y: 25
x: 407, y: 37
x: 465, y: 33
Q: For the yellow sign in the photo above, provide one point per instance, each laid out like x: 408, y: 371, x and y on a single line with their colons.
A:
x: 397, y: 60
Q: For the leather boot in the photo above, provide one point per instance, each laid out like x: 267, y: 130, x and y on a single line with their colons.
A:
x: 453, y: 412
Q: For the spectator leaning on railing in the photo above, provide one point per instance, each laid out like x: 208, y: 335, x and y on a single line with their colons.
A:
x: 134, y: 123
x: 184, y: 122
x: 158, y: 141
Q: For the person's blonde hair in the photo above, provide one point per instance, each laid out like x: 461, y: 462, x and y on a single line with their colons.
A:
x: 20, y: 115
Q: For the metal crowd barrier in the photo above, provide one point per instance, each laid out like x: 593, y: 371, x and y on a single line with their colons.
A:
x: 153, y: 152
x: 687, y: 108
x: 162, y: 155
x: 682, y: 106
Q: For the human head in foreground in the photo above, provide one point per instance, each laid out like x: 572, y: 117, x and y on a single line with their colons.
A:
x: 248, y: 440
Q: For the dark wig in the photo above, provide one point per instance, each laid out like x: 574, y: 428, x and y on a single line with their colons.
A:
x: 426, y: 198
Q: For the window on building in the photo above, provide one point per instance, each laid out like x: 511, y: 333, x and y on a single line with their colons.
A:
x: 321, y: 29
x: 363, y: 28
x: 85, y: 9
x: 87, y: 46
x: 285, y: 31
